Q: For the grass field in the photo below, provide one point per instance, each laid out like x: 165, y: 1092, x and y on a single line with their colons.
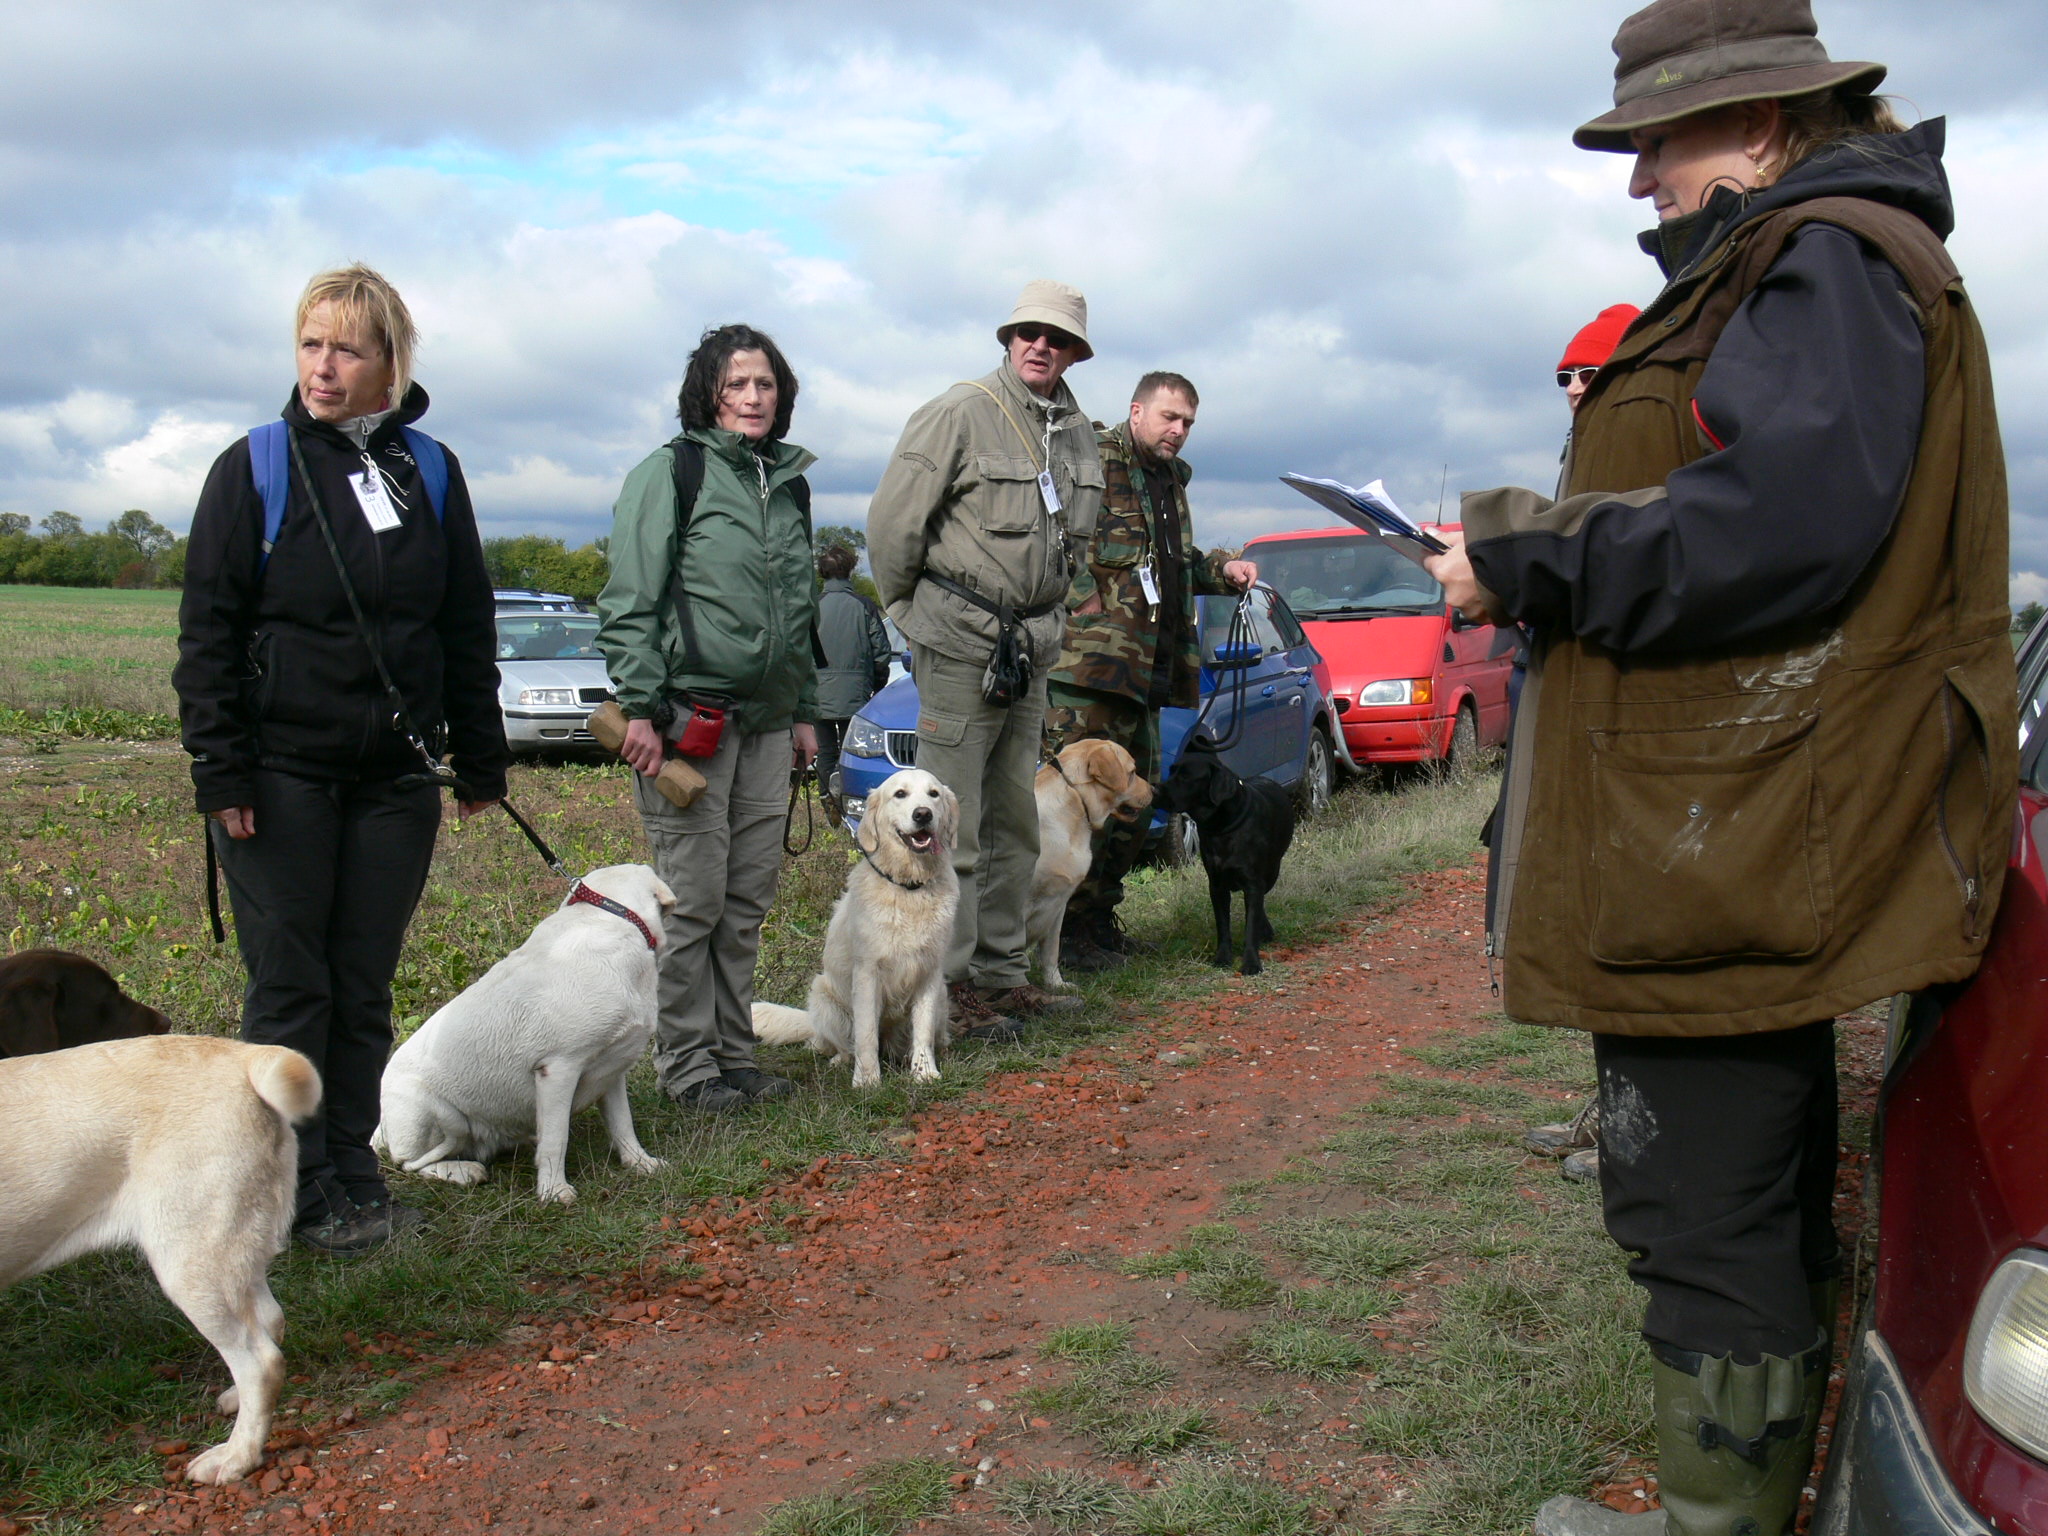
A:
x: 80, y: 648
x: 99, y: 853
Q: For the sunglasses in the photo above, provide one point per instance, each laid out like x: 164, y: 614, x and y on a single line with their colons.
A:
x: 1031, y: 335
x: 1565, y: 376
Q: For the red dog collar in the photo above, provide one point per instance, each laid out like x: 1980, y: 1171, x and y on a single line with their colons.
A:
x: 583, y: 894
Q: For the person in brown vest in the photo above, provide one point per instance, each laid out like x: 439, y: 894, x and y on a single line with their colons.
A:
x: 1763, y: 768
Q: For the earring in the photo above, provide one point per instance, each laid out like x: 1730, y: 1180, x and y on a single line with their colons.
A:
x: 1756, y: 166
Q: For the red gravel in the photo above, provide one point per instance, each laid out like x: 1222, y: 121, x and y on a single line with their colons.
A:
x: 902, y: 1313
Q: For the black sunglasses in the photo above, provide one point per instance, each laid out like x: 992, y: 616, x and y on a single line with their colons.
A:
x: 1566, y: 375
x: 1032, y: 334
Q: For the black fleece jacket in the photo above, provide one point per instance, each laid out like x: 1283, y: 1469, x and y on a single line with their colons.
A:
x: 1815, y: 390
x: 272, y: 669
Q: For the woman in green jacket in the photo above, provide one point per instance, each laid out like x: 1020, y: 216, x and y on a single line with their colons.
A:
x: 709, y: 614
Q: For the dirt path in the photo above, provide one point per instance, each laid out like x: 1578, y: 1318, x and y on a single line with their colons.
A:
x: 868, y: 1312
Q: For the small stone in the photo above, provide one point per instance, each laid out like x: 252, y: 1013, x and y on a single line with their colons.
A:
x: 938, y: 1352
x: 586, y: 1501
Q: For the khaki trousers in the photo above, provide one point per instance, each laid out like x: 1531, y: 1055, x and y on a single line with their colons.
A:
x: 721, y: 857
x: 988, y: 757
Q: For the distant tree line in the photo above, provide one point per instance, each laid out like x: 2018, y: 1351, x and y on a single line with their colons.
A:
x: 134, y: 550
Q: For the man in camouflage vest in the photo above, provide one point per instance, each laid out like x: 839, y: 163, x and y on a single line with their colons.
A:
x: 1132, y: 645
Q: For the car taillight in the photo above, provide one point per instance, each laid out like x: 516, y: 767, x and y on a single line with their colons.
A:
x: 2005, y: 1362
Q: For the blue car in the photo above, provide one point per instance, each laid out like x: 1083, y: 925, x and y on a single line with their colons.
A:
x: 1266, y: 674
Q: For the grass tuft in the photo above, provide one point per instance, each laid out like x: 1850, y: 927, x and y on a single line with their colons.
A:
x: 892, y: 1497
x: 1087, y: 1341
x: 1305, y: 1349
x: 1064, y: 1500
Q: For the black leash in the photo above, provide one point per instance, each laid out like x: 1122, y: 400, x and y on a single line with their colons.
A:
x: 1239, y: 633
x: 800, y: 779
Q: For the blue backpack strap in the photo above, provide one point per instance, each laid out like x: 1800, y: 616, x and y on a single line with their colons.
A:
x: 270, y: 464
x: 432, y: 459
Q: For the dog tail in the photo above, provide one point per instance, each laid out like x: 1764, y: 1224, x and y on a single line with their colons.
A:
x: 777, y: 1025
x: 284, y: 1080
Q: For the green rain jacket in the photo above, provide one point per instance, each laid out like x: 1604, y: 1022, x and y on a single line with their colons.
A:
x: 747, y: 568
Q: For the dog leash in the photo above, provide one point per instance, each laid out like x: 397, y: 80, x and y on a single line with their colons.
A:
x: 800, y: 779
x: 1239, y: 633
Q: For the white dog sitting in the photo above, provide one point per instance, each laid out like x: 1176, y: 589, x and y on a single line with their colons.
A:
x: 182, y: 1146
x: 552, y: 1028
x: 883, y: 989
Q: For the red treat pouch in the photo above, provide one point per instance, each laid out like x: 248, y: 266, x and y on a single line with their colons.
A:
x: 698, y: 731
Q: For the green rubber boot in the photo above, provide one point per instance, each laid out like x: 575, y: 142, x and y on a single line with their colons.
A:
x: 1734, y: 1445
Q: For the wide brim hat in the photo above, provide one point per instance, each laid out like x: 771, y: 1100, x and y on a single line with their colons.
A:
x: 1679, y: 57
x: 1044, y: 302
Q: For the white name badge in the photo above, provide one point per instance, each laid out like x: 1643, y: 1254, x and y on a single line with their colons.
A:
x: 375, y: 500
x: 1149, y: 582
x: 1048, y: 493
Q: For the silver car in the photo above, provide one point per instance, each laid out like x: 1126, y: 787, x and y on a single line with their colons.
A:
x: 550, y: 677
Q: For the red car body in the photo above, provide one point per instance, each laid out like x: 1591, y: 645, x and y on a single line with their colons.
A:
x: 1377, y: 618
x: 1962, y: 1163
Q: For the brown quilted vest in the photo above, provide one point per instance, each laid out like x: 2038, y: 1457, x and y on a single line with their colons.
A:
x: 1758, y: 839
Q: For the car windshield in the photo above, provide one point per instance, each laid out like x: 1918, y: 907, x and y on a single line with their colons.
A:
x: 547, y: 637
x: 1355, y: 573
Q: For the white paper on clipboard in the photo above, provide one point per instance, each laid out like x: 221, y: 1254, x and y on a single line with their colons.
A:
x: 1371, y: 508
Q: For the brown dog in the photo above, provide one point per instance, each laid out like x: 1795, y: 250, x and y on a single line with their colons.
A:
x: 51, y: 1000
x: 1089, y: 782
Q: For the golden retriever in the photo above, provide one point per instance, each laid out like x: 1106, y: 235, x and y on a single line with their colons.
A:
x: 1078, y: 792
x: 883, y: 989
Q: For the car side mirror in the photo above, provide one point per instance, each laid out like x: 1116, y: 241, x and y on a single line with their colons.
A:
x: 1233, y: 654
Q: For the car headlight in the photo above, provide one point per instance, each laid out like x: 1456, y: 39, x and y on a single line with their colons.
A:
x: 547, y: 696
x: 1396, y: 690
x: 2005, y: 1362
x: 864, y: 738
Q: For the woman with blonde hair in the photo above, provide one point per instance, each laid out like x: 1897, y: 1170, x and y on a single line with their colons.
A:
x: 1763, y: 767
x: 335, y: 639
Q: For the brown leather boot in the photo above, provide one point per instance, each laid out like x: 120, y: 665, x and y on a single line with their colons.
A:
x: 973, y: 1019
x: 1028, y: 1001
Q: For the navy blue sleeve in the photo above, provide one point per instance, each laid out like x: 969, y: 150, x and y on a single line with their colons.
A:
x: 1814, y: 395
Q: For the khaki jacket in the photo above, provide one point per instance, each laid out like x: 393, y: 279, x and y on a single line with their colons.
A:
x: 1117, y: 649
x: 1757, y: 836
x: 960, y: 497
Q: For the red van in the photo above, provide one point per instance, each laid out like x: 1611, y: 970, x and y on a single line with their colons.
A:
x: 1411, y: 681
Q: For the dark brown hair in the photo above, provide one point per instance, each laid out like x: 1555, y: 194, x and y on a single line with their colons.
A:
x: 697, y: 402
x: 1159, y: 379
x: 836, y: 562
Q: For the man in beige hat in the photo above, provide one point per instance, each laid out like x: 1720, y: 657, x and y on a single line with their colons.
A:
x: 1774, y: 576
x: 972, y: 536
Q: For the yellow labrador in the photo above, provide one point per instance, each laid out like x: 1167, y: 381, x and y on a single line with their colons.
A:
x: 181, y: 1146
x: 883, y: 989
x: 1078, y: 792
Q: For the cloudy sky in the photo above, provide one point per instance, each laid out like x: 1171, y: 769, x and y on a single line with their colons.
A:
x: 1357, y: 224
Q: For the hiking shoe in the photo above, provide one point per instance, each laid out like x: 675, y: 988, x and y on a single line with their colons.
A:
x: 1081, y: 953
x: 1111, y: 934
x: 345, y: 1234
x: 973, y: 1019
x: 1582, y: 1130
x: 756, y: 1084
x: 1582, y: 1167
x: 710, y: 1096
x: 1028, y: 1001
x: 402, y: 1217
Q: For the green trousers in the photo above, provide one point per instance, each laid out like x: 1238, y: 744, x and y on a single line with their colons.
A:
x: 1081, y: 714
x: 988, y: 756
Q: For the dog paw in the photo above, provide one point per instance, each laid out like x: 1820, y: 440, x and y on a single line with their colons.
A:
x: 455, y: 1172
x: 645, y: 1164
x: 220, y: 1465
x: 1253, y: 969
x: 1223, y: 962
x: 867, y: 1077
x: 925, y: 1071
x: 558, y: 1194
x: 229, y: 1402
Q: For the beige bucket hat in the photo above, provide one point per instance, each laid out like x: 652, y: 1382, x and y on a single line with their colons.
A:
x: 1045, y: 302
x: 1678, y: 57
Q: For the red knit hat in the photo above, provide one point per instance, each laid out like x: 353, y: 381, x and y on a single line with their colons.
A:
x: 1593, y: 345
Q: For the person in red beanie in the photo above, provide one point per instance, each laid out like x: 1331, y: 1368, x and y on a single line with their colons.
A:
x: 1594, y: 344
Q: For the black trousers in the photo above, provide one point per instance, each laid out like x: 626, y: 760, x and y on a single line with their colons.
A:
x: 322, y: 895
x: 1717, y: 1174
x: 830, y: 734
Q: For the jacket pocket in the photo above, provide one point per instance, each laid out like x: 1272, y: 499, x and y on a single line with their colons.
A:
x: 1967, y: 799
x: 1013, y: 505
x: 1117, y: 549
x: 1708, y: 848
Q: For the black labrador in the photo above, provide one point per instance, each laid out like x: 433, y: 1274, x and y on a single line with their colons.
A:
x: 1246, y: 825
x: 51, y: 1000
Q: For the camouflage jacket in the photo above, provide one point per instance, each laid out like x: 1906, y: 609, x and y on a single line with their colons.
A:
x: 1114, y: 651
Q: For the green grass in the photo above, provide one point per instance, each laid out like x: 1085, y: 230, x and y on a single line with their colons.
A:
x: 1305, y: 1349
x: 1086, y: 1341
x: 891, y: 1497
x: 87, y: 648
x: 1120, y: 1400
x: 99, y: 853
x: 1201, y: 1501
